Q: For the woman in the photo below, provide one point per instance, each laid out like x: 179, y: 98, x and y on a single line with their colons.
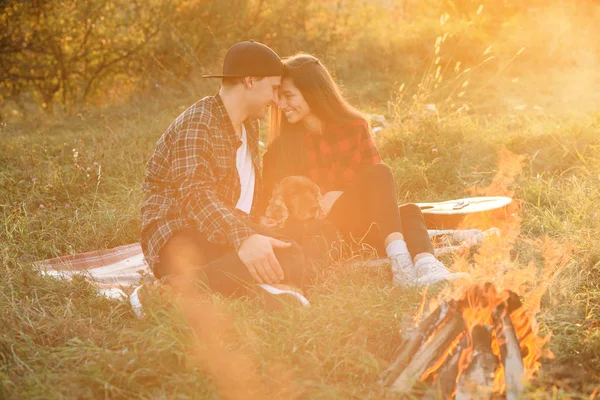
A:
x: 324, y: 138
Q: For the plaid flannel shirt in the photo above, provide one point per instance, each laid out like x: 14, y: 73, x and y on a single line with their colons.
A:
x: 337, y: 156
x: 192, y: 181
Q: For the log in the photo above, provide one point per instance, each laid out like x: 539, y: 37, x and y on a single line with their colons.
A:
x: 413, y: 340
x: 448, y: 372
x: 434, y: 347
x: 510, y: 350
x: 477, y: 380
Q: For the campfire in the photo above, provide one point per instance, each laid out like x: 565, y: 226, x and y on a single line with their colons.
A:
x: 481, y: 345
x: 482, y: 341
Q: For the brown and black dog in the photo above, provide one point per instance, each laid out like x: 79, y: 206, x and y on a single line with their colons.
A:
x: 296, y: 207
x: 296, y: 199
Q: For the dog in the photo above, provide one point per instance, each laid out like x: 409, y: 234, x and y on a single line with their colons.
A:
x: 296, y: 199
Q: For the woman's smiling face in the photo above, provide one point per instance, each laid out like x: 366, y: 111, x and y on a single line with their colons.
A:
x: 292, y: 102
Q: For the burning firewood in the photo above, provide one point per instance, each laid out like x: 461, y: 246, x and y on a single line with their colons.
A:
x: 413, y: 339
x: 510, y: 349
x: 465, y: 361
x: 448, y: 372
x: 441, y: 338
x: 477, y: 379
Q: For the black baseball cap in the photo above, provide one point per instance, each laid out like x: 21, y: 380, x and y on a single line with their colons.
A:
x: 250, y: 58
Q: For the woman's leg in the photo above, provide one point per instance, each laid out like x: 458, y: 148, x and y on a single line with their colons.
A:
x: 429, y: 269
x: 368, y: 213
x: 369, y: 210
x: 415, y: 231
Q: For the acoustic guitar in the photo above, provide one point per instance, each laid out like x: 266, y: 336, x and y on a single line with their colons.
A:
x: 472, y: 212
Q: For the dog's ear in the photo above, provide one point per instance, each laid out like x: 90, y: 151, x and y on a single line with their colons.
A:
x: 277, y: 210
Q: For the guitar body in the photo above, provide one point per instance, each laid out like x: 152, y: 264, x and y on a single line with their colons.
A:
x: 472, y: 212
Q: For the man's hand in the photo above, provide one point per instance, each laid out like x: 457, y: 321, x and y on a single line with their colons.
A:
x: 329, y: 199
x: 256, y: 252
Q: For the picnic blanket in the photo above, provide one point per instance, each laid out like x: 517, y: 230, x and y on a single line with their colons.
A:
x: 118, y: 270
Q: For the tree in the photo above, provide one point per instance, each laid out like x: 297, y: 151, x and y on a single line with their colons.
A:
x: 63, y: 50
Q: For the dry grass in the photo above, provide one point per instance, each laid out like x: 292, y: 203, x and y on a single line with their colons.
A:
x: 72, y: 184
x: 59, y: 339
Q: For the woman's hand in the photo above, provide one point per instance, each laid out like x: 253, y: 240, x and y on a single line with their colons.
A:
x: 329, y: 200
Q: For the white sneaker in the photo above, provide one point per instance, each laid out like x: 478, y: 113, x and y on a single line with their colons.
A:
x: 136, y: 304
x: 431, y: 270
x: 404, y: 272
x: 284, y: 295
x: 142, y: 292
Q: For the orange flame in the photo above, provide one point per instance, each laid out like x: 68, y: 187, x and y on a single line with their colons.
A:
x: 493, y: 263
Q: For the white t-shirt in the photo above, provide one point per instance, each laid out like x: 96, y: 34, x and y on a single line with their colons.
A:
x: 246, y: 172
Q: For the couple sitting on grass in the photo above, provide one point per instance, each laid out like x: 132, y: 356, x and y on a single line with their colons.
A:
x: 203, y: 213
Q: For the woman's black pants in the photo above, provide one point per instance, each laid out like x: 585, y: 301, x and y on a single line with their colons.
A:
x: 367, y: 212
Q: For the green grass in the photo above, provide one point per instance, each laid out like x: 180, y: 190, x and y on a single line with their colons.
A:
x: 59, y: 339
x: 72, y: 184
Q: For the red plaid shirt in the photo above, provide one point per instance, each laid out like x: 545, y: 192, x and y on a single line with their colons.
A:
x: 192, y: 179
x: 335, y: 157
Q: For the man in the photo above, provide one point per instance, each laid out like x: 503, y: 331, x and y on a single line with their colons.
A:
x: 203, y: 181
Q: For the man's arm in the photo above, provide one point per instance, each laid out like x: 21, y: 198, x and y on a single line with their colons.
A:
x: 193, y: 167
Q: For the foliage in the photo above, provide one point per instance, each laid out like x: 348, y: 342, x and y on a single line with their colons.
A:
x: 65, y: 51
x: 71, y: 183
x: 74, y: 185
x: 64, y: 55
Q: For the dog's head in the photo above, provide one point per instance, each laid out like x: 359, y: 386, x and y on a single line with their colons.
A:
x: 295, y: 198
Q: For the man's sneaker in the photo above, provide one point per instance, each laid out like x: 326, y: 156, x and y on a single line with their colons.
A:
x: 136, y: 303
x: 431, y: 270
x: 276, y: 297
x: 404, y: 273
x: 143, y: 293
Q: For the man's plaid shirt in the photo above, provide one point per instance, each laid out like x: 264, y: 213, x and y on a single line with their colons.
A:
x: 335, y: 157
x: 192, y: 179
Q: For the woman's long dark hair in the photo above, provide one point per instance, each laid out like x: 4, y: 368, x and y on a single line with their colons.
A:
x: 320, y: 92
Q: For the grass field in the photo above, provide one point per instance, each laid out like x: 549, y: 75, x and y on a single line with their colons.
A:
x: 71, y: 184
